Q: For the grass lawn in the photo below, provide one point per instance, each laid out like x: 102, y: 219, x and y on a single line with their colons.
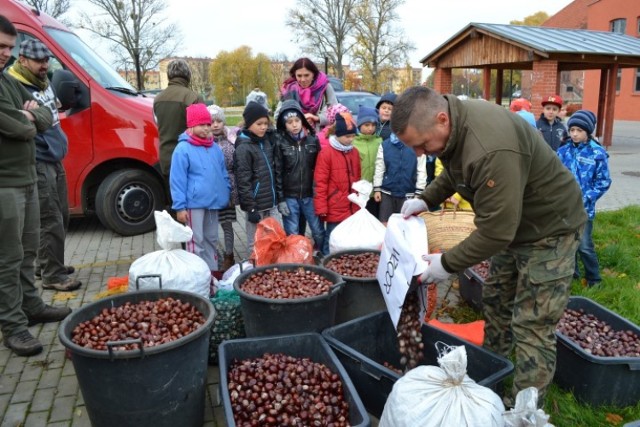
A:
x: 617, y: 238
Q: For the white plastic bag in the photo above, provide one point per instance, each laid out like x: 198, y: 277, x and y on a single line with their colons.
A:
x: 400, y: 260
x: 175, y: 267
x: 361, y: 230
x: 231, y: 275
x: 526, y: 412
x: 431, y: 396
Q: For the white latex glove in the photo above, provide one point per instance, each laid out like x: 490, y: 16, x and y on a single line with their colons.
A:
x: 284, y: 209
x: 413, y: 206
x: 435, y: 272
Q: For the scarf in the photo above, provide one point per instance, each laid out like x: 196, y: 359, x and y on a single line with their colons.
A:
x: 310, y: 98
x: 199, y: 142
x: 24, y: 75
x: 333, y: 141
x: 297, y: 136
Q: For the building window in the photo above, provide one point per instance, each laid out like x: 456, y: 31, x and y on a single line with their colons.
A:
x: 636, y: 87
x: 618, y: 79
x: 638, y: 33
x: 619, y: 26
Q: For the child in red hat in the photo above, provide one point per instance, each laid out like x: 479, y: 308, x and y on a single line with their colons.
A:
x: 551, y: 126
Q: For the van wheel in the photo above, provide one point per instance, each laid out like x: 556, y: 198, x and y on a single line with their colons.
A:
x: 126, y: 199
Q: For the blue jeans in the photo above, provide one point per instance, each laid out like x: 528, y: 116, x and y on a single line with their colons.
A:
x: 291, y: 222
x: 587, y: 253
x: 330, y: 226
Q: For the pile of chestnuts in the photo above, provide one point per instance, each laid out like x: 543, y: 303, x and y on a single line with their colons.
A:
x: 410, y: 342
x: 286, y: 284
x: 152, y: 322
x: 281, y: 390
x: 355, y: 265
x: 597, y: 337
x: 482, y: 269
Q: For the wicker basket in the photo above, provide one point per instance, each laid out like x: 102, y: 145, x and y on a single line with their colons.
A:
x: 447, y: 228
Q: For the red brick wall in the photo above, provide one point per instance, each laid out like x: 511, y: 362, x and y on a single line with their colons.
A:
x: 599, y: 17
x: 544, y: 82
x: 442, y: 81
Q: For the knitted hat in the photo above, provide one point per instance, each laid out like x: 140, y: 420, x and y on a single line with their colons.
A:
x: 584, y: 119
x: 34, y: 49
x: 289, y: 114
x: 553, y: 99
x: 334, y: 109
x: 519, y: 104
x: 345, y: 124
x: 367, y: 115
x: 217, y: 113
x: 388, y: 97
x: 253, y: 112
x: 197, y: 114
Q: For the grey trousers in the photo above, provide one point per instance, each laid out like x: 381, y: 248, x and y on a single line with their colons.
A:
x: 19, y: 228
x: 54, y: 220
x: 204, y: 223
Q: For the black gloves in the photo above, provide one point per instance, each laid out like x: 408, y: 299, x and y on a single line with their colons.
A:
x: 253, y: 217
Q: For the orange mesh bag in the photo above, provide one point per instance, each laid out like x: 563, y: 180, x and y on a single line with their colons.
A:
x: 472, y: 332
x: 273, y: 246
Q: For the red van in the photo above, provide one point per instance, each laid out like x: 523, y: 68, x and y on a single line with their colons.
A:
x: 112, y: 165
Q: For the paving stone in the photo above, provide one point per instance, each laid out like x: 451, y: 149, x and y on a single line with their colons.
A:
x: 15, y: 414
x: 49, y: 378
x: 80, y: 417
x: 36, y: 419
x: 32, y: 371
x: 62, y: 408
x: 14, y: 365
x: 5, y: 354
x: 68, y: 386
x: 24, y: 391
x: 4, y: 404
x: 43, y: 399
x: 9, y: 383
x: 68, y: 368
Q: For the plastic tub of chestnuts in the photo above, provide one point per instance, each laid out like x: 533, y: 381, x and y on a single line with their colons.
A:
x: 369, y: 348
x: 471, y: 283
x: 285, y: 381
x: 598, y: 354
x: 361, y: 294
x: 141, y: 357
x: 284, y: 299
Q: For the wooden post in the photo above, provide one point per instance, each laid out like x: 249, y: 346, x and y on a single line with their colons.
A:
x: 499, y: 83
x: 486, y: 83
x: 610, y: 106
x: 602, y: 99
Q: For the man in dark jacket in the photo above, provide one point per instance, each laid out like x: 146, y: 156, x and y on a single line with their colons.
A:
x: 20, y: 119
x: 170, y: 111
x: 529, y: 218
x: 297, y: 150
x: 51, y: 147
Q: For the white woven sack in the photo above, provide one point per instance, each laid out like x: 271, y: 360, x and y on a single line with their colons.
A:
x: 431, y: 396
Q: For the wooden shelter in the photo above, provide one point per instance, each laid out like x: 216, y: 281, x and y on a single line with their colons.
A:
x: 544, y: 51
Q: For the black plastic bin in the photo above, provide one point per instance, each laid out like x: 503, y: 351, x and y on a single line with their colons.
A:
x: 156, y: 386
x: 471, y: 288
x: 268, y: 316
x: 309, y: 345
x: 593, y: 379
x: 361, y: 295
x: 362, y: 345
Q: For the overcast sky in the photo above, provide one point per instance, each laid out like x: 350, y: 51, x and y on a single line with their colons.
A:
x: 210, y: 26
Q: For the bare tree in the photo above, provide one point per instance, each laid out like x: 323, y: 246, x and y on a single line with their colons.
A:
x: 55, y: 8
x: 323, y: 28
x: 138, y: 30
x: 380, y: 46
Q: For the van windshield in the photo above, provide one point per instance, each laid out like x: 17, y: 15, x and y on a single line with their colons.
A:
x: 85, y: 57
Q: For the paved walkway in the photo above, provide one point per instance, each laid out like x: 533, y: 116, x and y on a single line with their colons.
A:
x: 43, y: 391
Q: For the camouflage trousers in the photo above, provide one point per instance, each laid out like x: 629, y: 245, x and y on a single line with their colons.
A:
x: 523, y: 299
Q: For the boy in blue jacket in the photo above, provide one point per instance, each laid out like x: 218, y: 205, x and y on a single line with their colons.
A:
x: 200, y: 184
x: 587, y: 160
x: 549, y: 124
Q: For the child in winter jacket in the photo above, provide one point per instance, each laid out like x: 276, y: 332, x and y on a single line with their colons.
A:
x: 332, y: 110
x: 367, y: 143
x: 254, y: 166
x: 199, y: 184
x: 588, y: 162
x: 337, y: 168
x: 550, y: 124
x: 225, y: 138
x: 385, y: 108
x: 395, y: 178
x: 296, y: 154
